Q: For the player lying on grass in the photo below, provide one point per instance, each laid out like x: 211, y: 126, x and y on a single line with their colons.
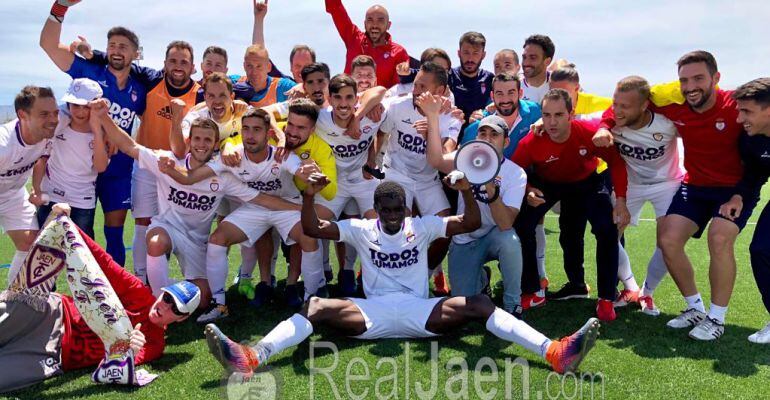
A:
x: 393, y: 251
x: 43, y: 334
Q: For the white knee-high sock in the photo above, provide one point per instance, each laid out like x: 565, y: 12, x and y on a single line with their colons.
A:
x: 350, y: 257
x: 216, y: 271
x: 325, y: 249
x: 624, y: 270
x: 540, y: 250
x: 157, y: 273
x: 139, y: 252
x: 656, y: 271
x: 248, y: 260
x: 507, y: 327
x: 16, y: 263
x: 312, y: 271
x: 288, y: 333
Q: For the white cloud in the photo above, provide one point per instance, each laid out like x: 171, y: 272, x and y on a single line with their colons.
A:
x: 606, y: 39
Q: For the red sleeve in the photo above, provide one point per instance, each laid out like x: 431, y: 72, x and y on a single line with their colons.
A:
x: 348, y: 31
x: 137, y: 299
x: 608, y: 119
x: 522, y: 154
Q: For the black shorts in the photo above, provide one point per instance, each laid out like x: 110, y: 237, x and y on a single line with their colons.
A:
x: 700, y: 204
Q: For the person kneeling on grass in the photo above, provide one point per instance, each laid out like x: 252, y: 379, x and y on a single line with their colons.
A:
x: 393, y: 251
x: 43, y: 334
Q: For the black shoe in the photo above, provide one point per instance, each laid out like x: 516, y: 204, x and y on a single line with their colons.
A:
x: 569, y: 291
x: 292, y: 297
x: 347, y: 283
x: 328, y: 275
x: 516, y: 311
x: 272, y: 280
x: 263, y: 294
x: 322, y: 292
x: 487, y: 290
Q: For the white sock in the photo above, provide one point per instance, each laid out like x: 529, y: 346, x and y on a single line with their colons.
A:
x: 507, y: 327
x: 312, y: 271
x: 276, y: 251
x: 288, y: 333
x: 157, y: 273
x: 696, y: 302
x: 325, y: 248
x: 350, y: 257
x: 540, y: 251
x: 248, y: 260
x: 717, y: 313
x: 139, y: 252
x: 656, y: 271
x: 624, y: 270
x: 216, y: 271
x: 16, y: 263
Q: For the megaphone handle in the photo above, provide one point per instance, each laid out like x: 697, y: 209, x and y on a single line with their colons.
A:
x: 494, y: 198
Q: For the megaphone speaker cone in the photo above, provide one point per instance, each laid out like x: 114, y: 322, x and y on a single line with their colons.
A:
x: 479, y: 161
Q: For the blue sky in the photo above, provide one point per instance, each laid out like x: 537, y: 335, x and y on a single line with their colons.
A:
x: 605, y: 39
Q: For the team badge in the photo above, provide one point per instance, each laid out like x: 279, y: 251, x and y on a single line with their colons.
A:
x: 214, y: 186
x: 386, y: 56
x: 720, y: 124
x: 305, y: 155
x: 133, y: 96
x: 410, y: 237
x: 274, y: 170
x: 483, y: 87
x: 91, y: 145
x: 657, y: 136
x: 366, y: 129
x: 583, y: 151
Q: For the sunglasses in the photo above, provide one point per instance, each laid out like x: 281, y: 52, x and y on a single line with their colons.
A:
x: 168, y: 299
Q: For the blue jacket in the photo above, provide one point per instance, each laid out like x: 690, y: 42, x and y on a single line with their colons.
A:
x: 529, y: 113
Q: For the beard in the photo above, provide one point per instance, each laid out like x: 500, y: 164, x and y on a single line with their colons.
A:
x: 470, y: 67
x: 117, y: 65
x: 509, y: 109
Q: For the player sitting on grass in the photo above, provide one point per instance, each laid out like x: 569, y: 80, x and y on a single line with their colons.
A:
x: 394, y: 254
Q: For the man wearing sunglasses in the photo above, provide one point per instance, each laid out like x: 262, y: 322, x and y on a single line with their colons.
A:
x: 44, y: 344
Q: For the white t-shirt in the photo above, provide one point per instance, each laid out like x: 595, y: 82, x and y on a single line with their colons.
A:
x: 393, y: 263
x: 17, y: 158
x: 406, y: 147
x: 651, y: 153
x: 535, y: 93
x: 70, y: 175
x: 227, y: 128
x: 350, y: 154
x: 268, y: 176
x: 511, y: 181
x: 191, y: 208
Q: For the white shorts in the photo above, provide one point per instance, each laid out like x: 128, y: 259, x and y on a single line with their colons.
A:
x: 190, y: 253
x: 659, y: 194
x: 255, y: 220
x: 144, y: 193
x: 429, y: 195
x: 16, y: 212
x: 351, y: 208
x: 396, y: 315
x: 226, y: 206
x: 361, y: 191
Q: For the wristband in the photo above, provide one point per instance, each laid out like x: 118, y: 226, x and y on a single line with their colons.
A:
x: 57, y: 12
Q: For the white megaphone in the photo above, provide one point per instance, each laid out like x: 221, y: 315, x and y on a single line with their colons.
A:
x: 479, y: 161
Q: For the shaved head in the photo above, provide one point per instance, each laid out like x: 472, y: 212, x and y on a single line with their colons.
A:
x: 376, y: 24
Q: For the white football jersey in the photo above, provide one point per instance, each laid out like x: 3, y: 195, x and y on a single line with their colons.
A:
x: 511, y: 181
x: 70, y: 175
x: 191, y: 208
x: 16, y: 157
x: 535, y: 93
x: 268, y: 176
x: 393, y: 263
x: 350, y: 154
x: 651, y: 153
x: 227, y: 128
x: 406, y: 147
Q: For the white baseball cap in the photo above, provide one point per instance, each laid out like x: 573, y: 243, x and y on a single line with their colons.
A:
x: 82, y: 91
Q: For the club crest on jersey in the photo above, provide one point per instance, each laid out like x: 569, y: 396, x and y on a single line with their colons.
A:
x: 214, y: 186
x: 720, y: 124
x: 409, y: 237
x: 305, y: 155
x: 657, y: 136
x: 483, y: 87
x: 91, y: 145
x: 275, y: 169
x: 134, y: 97
x: 583, y: 151
x: 366, y: 129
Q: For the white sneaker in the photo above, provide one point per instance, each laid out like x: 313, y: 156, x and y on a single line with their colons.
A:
x: 761, y: 336
x: 686, y: 319
x: 708, y: 329
x: 216, y: 312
